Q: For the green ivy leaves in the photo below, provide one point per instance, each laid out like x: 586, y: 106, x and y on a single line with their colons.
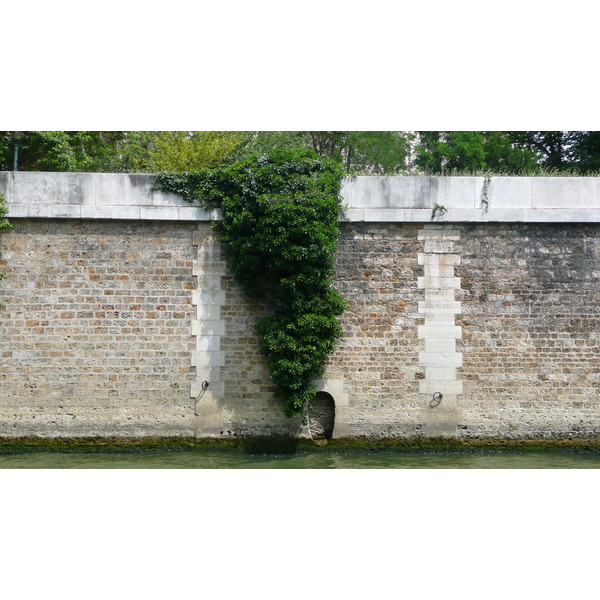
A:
x: 4, y: 224
x: 280, y: 219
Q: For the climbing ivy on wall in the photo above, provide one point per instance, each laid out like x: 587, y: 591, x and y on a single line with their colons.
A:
x: 280, y: 219
x: 4, y: 224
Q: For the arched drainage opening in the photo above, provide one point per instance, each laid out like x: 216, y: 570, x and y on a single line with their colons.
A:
x: 321, y: 417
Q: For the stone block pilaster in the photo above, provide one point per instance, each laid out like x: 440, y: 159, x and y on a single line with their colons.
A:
x: 208, y: 328
x: 440, y: 359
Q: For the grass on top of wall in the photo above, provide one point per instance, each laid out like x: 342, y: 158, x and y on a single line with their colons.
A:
x: 540, y: 172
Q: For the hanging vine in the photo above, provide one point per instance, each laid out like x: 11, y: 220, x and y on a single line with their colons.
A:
x: 280, y: 219
x: 4, y: 224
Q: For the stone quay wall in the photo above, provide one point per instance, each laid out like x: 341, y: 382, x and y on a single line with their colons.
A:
x: 479, y: 319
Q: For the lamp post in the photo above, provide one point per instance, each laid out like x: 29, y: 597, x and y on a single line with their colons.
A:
x: 16, y: 138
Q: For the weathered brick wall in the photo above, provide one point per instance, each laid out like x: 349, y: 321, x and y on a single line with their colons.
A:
x: 95, y: 329
x: 249, y: 407
x: 531, y: 330
x: 376, y: 272
x: 96, y: 332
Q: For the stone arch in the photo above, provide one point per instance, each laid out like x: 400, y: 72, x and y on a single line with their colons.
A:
x: 336, y: 388
x: 321, y: 416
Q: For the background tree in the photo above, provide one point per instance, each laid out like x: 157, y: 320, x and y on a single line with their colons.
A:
x: 364, y: 152
x: 258, y: 142
x: 576, y: 151
x: 439, y: 152
x: 181, y: 151
x: 586, y: 151
x: 117, y: 151
x: 357, y: 152
x: 63, y: 150
x: 551, y: 148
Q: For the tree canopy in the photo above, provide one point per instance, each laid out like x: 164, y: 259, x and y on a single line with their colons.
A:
x: 357, y: 152
x: 440, y: 152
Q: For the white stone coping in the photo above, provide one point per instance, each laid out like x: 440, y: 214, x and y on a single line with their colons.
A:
x: 127, y: 196
x: 123, y: 196
x: 473, y: 199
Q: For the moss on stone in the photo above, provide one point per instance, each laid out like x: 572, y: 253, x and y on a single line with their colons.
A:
x: 288, y: 445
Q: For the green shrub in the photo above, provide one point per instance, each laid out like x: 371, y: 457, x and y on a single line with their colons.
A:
x: 280, y: 219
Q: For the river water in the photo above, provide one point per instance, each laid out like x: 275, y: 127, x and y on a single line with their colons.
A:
x: 307, y: 460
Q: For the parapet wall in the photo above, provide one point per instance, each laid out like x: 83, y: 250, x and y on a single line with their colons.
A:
x: 366, y: 199
x: 118, y: 306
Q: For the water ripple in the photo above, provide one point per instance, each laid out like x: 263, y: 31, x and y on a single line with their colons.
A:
x: 311, y: 460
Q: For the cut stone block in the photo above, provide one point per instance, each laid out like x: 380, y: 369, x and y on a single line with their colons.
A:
x: 21, y: 210
x: 439, y: 295
x: 417, y: 215
x: 564, y: 192
x: 201, y: 359
x: 444, y: 387
x: 66, y: 211
x: 386, y: 215
x: 209, y: 374
x: 438, y: 270
x: 208, y: 298
x: 212, y: 268
x: 36, y: 210
x: 209, y: 282
x: 447, y: 319
x: 126, y: 212
x: 440, y: 373
x: 159, y: 213
x: 448, y: 359
x: 442, y: 283
x: 438, y: 246
x: 354, y: 215
x: 208, y: 342
x: 439, y: 307
x: 453, y: 192
x: 212, y: 328
x: 96, y: 212
x: 433, y: 332
x: 54, y: 188
x: 440, y: 259
x: 439, y: 234
x: 506, y: 192
x: 208, y: 313
x: 209, y: 252
x: 369, y: 192
x: 193, y: 213
x: 443, y: 346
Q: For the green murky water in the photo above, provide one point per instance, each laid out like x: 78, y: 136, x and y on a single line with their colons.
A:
x: 309, y: 460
